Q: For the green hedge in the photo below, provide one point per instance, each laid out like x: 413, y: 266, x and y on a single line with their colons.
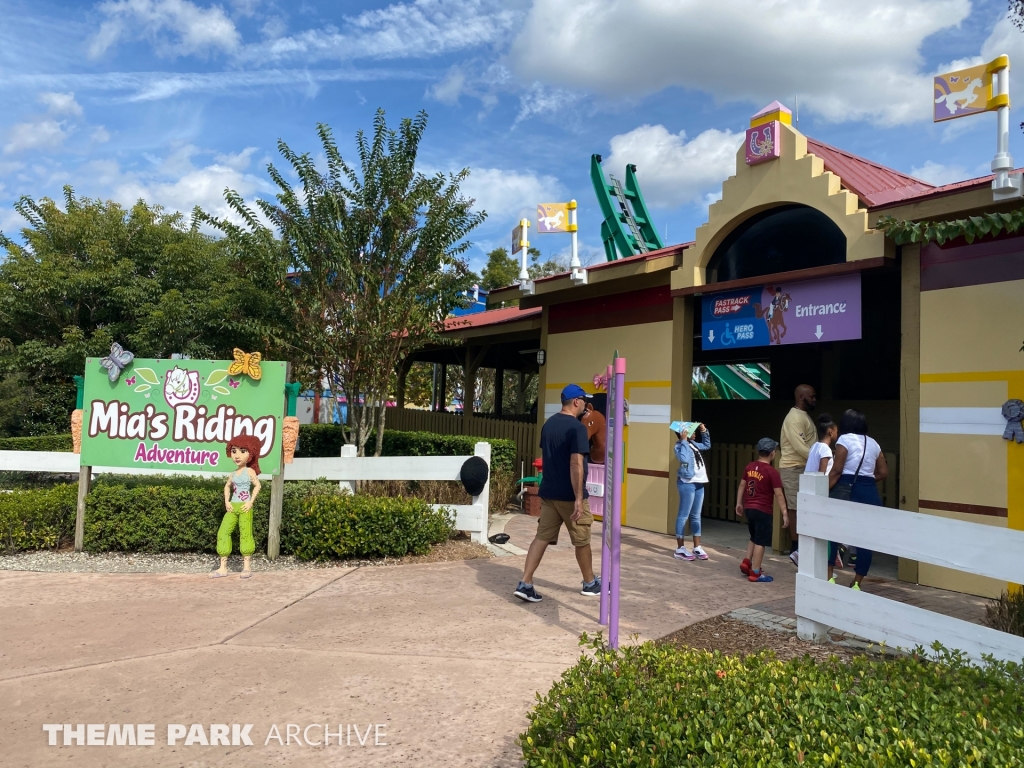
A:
x: 182, y: 514
x: 319, y: 440
x: 363, y: 526
x: 663, y: 707
x: 37, y: 519
x: 40, y: 443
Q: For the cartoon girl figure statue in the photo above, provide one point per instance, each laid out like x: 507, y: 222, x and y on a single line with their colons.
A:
x: 240, y: 492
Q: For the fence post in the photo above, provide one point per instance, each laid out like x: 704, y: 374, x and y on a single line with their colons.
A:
x: 483, y: 450
x: 813, y: 558
x: 84, y: 481
x: 348, y: 451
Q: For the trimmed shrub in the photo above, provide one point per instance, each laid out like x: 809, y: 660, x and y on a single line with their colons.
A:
x: 662, y: 707
x: 364, y: 526
x: 37, y: 519
x: 181, y: 515
x: 40, y: 443
x: 1007, y: 613
x: 503, y: 452
x: 319, y: 440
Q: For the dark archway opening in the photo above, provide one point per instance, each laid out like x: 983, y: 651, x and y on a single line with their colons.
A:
x: 778, y: 240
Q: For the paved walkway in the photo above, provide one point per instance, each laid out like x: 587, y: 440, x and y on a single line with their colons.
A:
x: 442, y: 654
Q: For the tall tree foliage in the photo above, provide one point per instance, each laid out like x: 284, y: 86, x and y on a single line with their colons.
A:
x: 377, y: 256
x: 95, y: 273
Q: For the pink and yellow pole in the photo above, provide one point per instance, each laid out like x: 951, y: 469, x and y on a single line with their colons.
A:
x: 612, y: 524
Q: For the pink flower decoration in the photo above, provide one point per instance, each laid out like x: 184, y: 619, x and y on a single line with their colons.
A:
x: 601, y: 382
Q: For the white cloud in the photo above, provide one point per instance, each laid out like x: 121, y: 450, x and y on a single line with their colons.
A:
x: 847, y: 59
x: 42, y: 134
x: 506, y: 194
x: 448, y: 90
x: 673, y: 171
x: 100, y: 135
x: 1005, y: 38
x: 400, y: 30
x: 541, y: 100
x: 175, y: 27
x: 939, y: 174
x: 61, y: 103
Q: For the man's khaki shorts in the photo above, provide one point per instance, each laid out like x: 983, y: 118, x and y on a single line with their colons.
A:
x: 791, y: 485
x: 554, y: 513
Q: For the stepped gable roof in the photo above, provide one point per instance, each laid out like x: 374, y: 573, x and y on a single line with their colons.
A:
x: 874, y: 184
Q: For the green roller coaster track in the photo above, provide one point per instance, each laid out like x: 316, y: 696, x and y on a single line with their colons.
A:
x: 627, y: 229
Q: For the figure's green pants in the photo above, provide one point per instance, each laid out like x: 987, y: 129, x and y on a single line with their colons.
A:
x: 241, y: 520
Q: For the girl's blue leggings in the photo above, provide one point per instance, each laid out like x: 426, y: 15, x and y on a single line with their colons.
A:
x: 691, y: 500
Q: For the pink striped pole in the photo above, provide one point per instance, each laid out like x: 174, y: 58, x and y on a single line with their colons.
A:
x: 606, y: 515
x: 618, y: 465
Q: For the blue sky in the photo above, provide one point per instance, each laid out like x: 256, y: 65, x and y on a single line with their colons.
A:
x: 174, y: 100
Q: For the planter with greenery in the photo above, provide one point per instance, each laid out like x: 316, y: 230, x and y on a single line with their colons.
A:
x: 662, y: 707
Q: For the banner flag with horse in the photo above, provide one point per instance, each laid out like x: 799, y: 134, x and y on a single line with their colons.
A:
x: 783, y: 313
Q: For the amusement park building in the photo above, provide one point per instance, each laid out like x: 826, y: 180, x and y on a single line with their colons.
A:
x: 939, y: 352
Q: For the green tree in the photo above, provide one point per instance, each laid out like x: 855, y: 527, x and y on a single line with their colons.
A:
x: 501, y: 270
x: 377, y: 255
x: 95, y: 273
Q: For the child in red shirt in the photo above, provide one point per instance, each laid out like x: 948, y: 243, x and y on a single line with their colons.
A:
x: 760, y: 483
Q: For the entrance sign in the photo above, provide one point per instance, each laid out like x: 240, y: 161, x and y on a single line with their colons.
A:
x: 611, y: 524
x: 178, y: 414
x: 783, y: 313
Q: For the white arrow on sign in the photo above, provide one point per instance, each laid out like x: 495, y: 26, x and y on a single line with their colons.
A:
x: 711, y: 335
x: 818, y: 332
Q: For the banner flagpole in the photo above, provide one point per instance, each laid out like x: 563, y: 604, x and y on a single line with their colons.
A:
x: 606, y: 516
x: 616, y: 510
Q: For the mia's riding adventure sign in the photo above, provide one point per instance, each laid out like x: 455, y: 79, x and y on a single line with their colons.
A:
x: 179, y: 414
x: 782, y: 313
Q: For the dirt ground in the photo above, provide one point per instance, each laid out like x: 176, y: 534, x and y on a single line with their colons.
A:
x: 732, y: 636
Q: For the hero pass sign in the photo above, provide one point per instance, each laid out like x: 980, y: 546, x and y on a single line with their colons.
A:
x: 730, y: 305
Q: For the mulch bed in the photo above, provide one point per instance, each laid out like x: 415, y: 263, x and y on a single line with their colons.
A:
x: 731, y: 636
x: 460, y: 548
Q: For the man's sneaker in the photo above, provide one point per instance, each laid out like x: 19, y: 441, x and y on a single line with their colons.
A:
x: 745, y: 567
x: 699, y: 553
x: 832, y: 580
x: 527, y: 593
x: 855, y: 587
x: 683, y: 554
x: 759, y: 577
x: 795, y: 557
x: 594, y: 589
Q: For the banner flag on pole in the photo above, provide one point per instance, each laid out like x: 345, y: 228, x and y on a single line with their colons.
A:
x: 966, y: 92
x: 553, y: 218
x: 519, y: 236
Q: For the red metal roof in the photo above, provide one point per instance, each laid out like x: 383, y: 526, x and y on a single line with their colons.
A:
x: 874, y: 184
x: 490, y: 317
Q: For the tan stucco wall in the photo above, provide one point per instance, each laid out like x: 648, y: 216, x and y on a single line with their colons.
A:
x: 576, y: 357
x: 795, y: 177
x: 970, y: 358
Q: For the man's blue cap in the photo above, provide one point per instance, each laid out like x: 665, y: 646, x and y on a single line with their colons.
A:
x: 572, y: 391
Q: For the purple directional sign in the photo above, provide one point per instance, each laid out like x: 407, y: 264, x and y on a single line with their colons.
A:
x: 783, y: 313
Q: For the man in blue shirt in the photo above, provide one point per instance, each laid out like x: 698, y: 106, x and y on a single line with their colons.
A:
x: 563, y: 493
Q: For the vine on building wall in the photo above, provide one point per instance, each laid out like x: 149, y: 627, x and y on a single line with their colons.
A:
x: 971, y: 228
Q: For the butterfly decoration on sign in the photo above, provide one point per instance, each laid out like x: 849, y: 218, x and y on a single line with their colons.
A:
x: 246, y: 364
x: 118, y: 359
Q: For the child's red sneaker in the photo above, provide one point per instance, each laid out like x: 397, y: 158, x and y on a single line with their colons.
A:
x: 745, y: 566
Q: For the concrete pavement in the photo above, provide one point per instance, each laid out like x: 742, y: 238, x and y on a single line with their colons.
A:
x: 442, y: 656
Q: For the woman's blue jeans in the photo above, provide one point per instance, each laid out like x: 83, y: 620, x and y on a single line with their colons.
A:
x: 691, y: 500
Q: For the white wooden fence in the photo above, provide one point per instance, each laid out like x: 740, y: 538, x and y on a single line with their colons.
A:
x: 970, y: 547
x: 346, y: 469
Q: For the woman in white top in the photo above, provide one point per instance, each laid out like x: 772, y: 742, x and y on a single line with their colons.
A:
x: 692, y: 477
x: 859, y: 464
x: 819, y: 458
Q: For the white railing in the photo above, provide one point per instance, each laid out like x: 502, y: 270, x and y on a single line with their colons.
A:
x: 970, y: 547
x: 347, y: 469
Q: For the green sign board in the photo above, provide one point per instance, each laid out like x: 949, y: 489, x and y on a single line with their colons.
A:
x: 180, y: 414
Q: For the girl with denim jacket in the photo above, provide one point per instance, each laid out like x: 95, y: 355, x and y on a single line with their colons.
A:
x: 692, y: 477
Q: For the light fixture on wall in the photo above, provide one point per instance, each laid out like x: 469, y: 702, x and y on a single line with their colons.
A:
x: 541, y: 355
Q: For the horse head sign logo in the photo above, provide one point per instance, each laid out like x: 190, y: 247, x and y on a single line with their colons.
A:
x: 774, y: 313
